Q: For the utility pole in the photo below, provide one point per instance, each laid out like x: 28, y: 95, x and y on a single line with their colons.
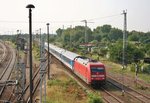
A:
x: 17, y: 71
x: 41, y: 54
x: 124, y: 48
x: 48, y: 50
x: 63, y: 27
x: 42, y: 68
x: 136, y: 72
x: 85, y: 36
x: 124, y: 36
x: 70, y: 36
x: 30, y: 6
x: 20, y: 70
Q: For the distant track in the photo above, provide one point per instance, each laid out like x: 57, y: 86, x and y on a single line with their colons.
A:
x: 133, y: 93
x: 131, y: 79
x: 109, y: 97
x: 11, y: 57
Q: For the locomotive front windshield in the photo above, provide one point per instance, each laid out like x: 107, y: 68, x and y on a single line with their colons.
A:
x: 97, y: 69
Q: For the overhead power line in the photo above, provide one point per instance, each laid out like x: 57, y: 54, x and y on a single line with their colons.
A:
x: 104, y: 17
x: 71, y: 21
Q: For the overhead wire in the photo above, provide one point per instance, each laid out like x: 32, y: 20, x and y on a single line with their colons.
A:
x: 104, y: 17
x: 72, y: 21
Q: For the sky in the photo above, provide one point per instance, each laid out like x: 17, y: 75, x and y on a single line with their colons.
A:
x: 14, y: 14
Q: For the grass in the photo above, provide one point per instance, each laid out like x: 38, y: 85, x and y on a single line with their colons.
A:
x: 145, y: 77
x: 94, y: 98
x: 117, y: 68
x: 66, y: 90
x: 36, y: 54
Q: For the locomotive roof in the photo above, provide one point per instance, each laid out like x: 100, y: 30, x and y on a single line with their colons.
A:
x: 66, y: 53
x: 85, y: 60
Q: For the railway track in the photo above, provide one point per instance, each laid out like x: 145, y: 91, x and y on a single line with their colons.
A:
x: 36, y: 81
x: 129, y: 79
x: 129, y: 91
x: 10, y: 62
x: 109, y: 97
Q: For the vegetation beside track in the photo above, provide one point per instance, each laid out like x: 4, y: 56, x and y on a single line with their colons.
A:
x: 63, y: 89
x: 36, y: 52
x: 117, y: 68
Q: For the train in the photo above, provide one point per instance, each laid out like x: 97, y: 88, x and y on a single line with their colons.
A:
x: 90, y: 71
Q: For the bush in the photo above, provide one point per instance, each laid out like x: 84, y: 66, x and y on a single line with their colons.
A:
x: 54, y: 82
x: 132, y: 67
x: 146, y: 69
x: 94, y: 98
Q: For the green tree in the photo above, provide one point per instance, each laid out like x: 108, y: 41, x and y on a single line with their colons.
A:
x: 116, y: 50
x: 115, y: 34
x: 66, y: 36
x: 79, y: 32
x: 59, y: 31
x: 145, y: 37
x: 134, y: 36
x: 101, y: 32
x: 146, y: 49
x: 106, y: 28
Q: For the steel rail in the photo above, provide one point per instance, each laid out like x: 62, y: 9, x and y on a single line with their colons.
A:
x: 10, y: 65
x: 130, y: 91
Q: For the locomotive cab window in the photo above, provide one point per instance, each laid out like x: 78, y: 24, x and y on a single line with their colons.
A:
x: 97, y: 69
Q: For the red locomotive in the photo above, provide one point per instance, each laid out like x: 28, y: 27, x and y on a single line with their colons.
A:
x: 91, y: 71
